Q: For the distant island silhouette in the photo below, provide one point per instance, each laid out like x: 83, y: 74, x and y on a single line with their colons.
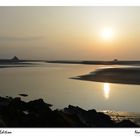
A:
x: 16, y: 60
x: 98, y: 62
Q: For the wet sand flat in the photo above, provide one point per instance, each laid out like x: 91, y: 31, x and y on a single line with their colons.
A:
x: 122, y: 75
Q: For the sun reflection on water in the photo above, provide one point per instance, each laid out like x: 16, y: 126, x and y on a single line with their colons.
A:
x: 106, y: 89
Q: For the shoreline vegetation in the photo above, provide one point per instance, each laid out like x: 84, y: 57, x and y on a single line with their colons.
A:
x: 17, y: 113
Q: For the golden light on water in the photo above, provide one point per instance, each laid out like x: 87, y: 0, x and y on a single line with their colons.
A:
x: 106, y: 89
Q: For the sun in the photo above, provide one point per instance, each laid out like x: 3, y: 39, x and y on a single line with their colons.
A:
x: 107, y: 33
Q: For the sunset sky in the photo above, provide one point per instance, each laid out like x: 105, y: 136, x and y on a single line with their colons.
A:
x: 70, y: 33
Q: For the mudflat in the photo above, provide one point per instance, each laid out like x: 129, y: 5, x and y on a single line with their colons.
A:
x: 122, y: 75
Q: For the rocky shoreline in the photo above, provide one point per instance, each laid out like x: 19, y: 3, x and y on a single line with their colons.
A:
x: 16, y: 113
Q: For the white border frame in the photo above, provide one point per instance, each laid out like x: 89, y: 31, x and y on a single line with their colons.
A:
x: 70, y: 134
x: 69, y: 2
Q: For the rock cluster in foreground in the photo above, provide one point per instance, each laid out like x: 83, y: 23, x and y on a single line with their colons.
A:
x: 16, y: 113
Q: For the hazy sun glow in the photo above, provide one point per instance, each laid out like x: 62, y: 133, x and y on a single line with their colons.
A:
x: 106, y: 90
x: 107, y: 33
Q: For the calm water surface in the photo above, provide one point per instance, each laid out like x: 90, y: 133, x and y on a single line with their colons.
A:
x: 52, y: 83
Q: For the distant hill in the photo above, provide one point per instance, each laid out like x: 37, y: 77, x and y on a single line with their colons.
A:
x: 15, y: 59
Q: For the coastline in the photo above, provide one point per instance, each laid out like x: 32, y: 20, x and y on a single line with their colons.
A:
x: 16, y: 113
x: 37, y: 113
x: 121, y: 75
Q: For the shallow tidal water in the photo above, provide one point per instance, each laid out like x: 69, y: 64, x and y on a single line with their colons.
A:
x: 53, y: 83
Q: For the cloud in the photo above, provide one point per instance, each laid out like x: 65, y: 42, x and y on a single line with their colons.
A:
x: 19, y: 39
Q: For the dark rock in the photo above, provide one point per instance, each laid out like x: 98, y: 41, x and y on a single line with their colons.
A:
x: 24, y: 95
x: 16, y: 113
x: 92, y: 111
x: 90, y: 118
x: 40, y: 114
x: 17, y: 103
x: 38, y: 105
x: 104, y: 120
x: 126, y: 123
x: 67, y: 120
x: 4, y: 101
x: 73, y: 110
